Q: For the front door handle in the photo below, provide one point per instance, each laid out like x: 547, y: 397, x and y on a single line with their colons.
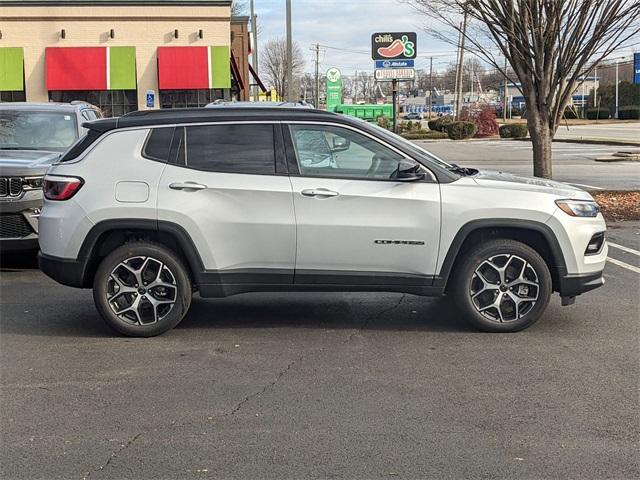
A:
x: 187, y: 186
x: 319, y: 192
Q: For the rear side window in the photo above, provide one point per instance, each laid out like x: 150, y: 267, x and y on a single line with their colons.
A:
x: 246, y: 148
x: 158, y: 144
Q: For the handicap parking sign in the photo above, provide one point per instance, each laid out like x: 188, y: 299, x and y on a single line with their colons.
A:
x: 151, y: 98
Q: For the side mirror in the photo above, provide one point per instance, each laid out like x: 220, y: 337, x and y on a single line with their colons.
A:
x: 408, y: 171
x: 341, y: 144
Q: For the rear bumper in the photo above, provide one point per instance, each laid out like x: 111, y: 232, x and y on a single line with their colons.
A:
x: 573, y: 285
x: 62, y: 270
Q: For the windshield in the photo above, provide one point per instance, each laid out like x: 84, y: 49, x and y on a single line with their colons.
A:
x: 36, y: 130
x: 413, y: 148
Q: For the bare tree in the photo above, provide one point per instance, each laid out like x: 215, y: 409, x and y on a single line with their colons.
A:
x: 550, y: 44
x: 238, y: 8
x: 273, y: 64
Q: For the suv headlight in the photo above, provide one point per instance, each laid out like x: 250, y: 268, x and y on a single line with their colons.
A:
x: 579, y: 208
x: 32, y: 183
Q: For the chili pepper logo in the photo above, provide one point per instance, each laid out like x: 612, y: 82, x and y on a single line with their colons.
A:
x: 400, y: 46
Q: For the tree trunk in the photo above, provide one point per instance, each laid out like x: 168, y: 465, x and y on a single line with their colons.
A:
x: 541, y: 138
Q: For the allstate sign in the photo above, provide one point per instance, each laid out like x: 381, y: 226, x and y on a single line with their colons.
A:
x: 636, y: 68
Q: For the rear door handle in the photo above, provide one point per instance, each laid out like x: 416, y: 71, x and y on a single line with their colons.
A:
x: 319, y: 192
x: 187, y: 186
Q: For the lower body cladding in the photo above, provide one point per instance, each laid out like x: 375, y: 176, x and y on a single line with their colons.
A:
x: 74, y: 273
x: 19, y: 222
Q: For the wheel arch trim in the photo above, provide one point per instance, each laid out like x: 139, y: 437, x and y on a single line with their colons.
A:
x: 86, y: 254
x: 469, y: 228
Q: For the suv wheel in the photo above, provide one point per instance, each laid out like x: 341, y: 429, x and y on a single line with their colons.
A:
x: 502, y: 286
x: 141, y: 289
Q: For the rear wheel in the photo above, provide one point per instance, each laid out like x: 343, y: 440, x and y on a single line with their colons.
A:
x: 502, y: 286
x: 142, y: 289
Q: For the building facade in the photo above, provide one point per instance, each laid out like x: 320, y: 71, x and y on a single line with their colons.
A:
x: 121, y: 55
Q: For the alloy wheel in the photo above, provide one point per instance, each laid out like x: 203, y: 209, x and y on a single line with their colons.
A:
x: 141, y: 290
x: 504, y: 288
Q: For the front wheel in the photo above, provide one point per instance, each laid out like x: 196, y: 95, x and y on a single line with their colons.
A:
x: 142, y: 289
x: 502, y: 286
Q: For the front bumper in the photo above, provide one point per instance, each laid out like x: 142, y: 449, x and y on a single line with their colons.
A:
x: 573, y: 285
x: 19, y: 221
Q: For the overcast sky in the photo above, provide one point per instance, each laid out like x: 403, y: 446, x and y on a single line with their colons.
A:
x: 347, y: 24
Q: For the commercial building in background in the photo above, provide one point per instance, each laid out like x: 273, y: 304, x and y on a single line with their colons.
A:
x: 579, y: 99
x: 123, y: 55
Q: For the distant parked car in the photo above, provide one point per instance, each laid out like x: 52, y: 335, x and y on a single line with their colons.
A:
x: 32, y: 136
x: 413, y: 116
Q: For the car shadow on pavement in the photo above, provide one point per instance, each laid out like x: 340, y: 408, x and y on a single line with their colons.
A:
x: 325, y: 311
x: 13, y: 261
x: 393, y: 312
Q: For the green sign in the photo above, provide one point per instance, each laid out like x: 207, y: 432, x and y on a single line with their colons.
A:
x: 334, y: 89
x: 11, y: 69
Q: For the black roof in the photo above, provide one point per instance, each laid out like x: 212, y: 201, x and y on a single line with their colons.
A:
x: 144, y: 118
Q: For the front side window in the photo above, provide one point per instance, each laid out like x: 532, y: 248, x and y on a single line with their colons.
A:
x: 247, y: 149
x: 328, y: 151
x: 37, y: 130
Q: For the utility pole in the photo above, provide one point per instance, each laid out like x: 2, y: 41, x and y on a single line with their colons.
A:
x: 504, y: 96
x: 317, y: 49
x: 355, y: 83
x: 471, y: 94
x: 596, y: 83
x: 254, y: 48
x: 616, y: 116
x: 430, y: 86
x: 289, y: 55
x: 455, y: 87
x: 460, y: 77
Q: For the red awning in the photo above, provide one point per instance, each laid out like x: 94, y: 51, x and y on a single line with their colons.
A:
x: 183, y: 68
x: 76, y: 68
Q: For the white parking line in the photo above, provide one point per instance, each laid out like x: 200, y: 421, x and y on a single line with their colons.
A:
x: 623, y: 248
x: 623, y: 265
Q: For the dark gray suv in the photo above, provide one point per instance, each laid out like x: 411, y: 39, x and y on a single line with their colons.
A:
x: 32, y: 136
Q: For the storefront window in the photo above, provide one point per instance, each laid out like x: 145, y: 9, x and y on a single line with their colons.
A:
x: 13, y: 96
x: 113, y: 103
x: 189, y: 98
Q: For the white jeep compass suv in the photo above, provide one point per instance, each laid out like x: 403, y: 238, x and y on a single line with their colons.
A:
x: 152, y: 206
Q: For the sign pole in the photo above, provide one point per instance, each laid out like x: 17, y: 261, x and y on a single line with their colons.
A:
x: 394, y: 85
x: 289, y: 55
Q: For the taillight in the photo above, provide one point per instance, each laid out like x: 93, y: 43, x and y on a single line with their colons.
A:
x: 61, y: 188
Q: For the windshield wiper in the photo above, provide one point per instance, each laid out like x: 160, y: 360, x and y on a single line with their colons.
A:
x: 462, y: 170
x: 16, y: 148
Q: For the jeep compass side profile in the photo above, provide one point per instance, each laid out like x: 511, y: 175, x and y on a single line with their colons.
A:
x: 152, y: 206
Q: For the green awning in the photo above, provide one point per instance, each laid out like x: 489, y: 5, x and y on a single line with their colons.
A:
x: 11, y: 69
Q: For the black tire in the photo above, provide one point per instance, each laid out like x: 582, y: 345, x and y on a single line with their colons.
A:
x: 473, y: 290
x: 171, y: 294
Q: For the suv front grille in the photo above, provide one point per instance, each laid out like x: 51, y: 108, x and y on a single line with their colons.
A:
x: 14, y: 225
x: 10, y: 186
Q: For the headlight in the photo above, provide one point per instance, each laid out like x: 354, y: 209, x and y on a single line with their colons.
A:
x: 33, y: 183
x: 579, y: 208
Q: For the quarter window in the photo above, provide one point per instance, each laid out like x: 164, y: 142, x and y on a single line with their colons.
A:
x: 328, y: 151
x: 247, y: 148
x: 158, y: 144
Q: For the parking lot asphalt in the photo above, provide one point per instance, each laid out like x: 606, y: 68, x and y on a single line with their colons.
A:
x: 572, y: 162
x: 320, y: 386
